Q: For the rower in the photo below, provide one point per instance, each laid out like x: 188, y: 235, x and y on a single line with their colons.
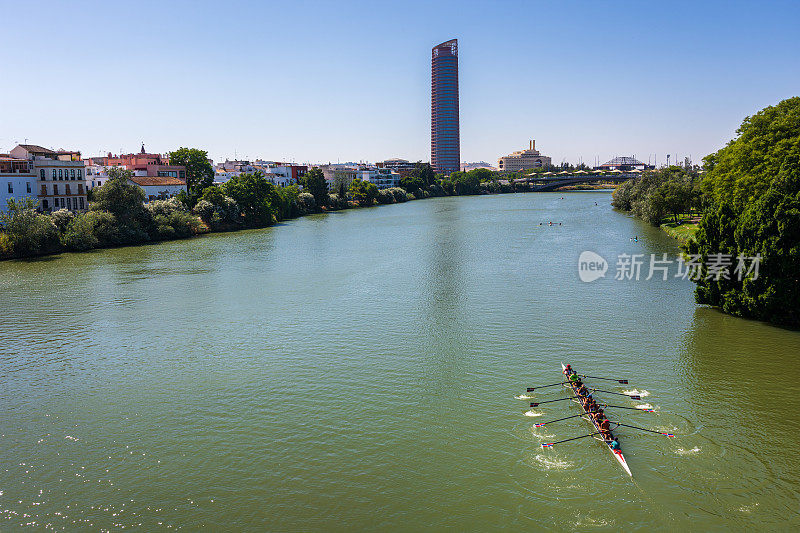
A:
x: 573, y: 378
x: 605, y: 427
x: 581, y: 389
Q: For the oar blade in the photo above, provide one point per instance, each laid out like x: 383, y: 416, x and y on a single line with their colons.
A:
x: 623, y: 381
x: 634, y: 397
x: 534, y: 404
x: 530, y: 389
x: 548, y: 445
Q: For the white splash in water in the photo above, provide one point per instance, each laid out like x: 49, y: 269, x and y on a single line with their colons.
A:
x: 533, y: 413
x: 748, y: 508
x: 523, y: 397
x: 681, y: 451
x: 635, y: 392
x: 70, y: 437
x: 644, y: 406
x: 552, y: 463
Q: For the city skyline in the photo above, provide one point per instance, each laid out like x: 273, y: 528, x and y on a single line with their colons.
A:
x: 589, y: 84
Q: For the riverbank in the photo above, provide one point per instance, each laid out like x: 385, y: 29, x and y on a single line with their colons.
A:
x: 29, y: 234
x: 683, y: 231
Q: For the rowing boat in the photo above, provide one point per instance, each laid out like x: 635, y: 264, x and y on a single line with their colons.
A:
x: 576, y: 398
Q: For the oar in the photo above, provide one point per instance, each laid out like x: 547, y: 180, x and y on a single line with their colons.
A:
x: 531, y: 389
x: 631, y: 396
x: 632, y: 408
x: 543, y: 424
x: 643, y: 429
x: 536, y: 404
x: 620, y: 381
x: 550, y: 444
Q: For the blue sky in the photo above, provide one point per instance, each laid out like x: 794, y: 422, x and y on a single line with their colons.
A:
x: 328, y: 81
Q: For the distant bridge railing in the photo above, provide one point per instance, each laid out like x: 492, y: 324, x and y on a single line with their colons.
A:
x: 548, y: 183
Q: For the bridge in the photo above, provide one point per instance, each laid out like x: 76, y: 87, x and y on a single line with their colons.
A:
x: 543, y: 182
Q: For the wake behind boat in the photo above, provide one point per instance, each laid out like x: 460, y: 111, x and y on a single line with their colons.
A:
x: 593, y: 412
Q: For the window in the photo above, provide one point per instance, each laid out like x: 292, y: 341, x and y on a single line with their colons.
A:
x: 82, y: 203
x: 44, y: 203
x: 54, y: 173
x: 80, y: 173
x: 80, y: 188
x: 92, y: 185
x: 182, y: 174
x: 55, y: 188
x: 60, y: 174
x: 72, y: 174
x: 41, y: 174
x: 28, y: 186
x: 66, y: 189
x: 44, y: 190
x: 10, y: 188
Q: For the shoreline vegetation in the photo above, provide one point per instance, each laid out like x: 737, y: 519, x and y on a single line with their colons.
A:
x: 118, y: 216
x: 744, y: 204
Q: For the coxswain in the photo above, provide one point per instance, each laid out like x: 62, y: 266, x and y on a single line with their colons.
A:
x: 614, y: 444
x: 568, y: 370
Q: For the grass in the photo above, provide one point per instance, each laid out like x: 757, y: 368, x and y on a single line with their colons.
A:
x: 684, y: 231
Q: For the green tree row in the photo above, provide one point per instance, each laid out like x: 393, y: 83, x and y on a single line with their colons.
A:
x: 657, y: 194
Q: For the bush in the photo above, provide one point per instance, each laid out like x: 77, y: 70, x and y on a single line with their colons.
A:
x: 398, y: 193
x: 28, y: 232
x: 306, y: 203
x: 61, y: 219
x: 385, y: 197
x: 80, y: 233
x: 336, y: 202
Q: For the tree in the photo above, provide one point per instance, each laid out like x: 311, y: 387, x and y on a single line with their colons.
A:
x: 412, y: 183
x: 125, y: 201
x: 753, y: 207
x: 424, y: 171
x: 314, y: 182
x: 199, y: 172
x: 26, y: 231
x: 254, y: 195
x: 363, y: 192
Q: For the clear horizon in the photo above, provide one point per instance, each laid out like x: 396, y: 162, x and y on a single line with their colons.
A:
x: 324, y: 81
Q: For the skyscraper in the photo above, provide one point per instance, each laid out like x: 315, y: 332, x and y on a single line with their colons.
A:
x: 445, y: 139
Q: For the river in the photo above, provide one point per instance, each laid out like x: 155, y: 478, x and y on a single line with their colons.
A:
x: 358, y: 370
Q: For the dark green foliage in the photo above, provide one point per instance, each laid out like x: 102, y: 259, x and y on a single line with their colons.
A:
x: 754, y: 208
x: 363, y: 192
x: 314, y: 183
x: 25, y: 231
x: 255, y: 197
x: 412, y: 183
x: 658, y: 193
x: 199, y: 172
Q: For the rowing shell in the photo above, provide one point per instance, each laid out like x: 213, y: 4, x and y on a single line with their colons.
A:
x: 616, y: 453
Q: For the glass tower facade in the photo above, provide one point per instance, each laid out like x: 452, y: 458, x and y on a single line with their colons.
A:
x: 445, y: 138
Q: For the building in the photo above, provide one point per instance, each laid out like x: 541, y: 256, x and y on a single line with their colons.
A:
x: 445, y: 137
x: 383, y: 178
x: 523, y: 159
x: 17, y: 180
x: 142, y: 164
x: 158, y: 187
x: 338, y: 174
x: 623, y: 163
x: 60, y: 182
x: 281, y: 174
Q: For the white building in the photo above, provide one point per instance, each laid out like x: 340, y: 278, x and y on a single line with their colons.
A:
x: 60, y: 180
x: 17, y: 180
x: 383, y: 178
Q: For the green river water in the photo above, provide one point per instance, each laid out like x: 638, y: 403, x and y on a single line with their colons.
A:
x: 358, y: 371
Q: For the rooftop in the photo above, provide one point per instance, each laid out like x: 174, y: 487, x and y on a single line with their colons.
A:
x: 156, y: 181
